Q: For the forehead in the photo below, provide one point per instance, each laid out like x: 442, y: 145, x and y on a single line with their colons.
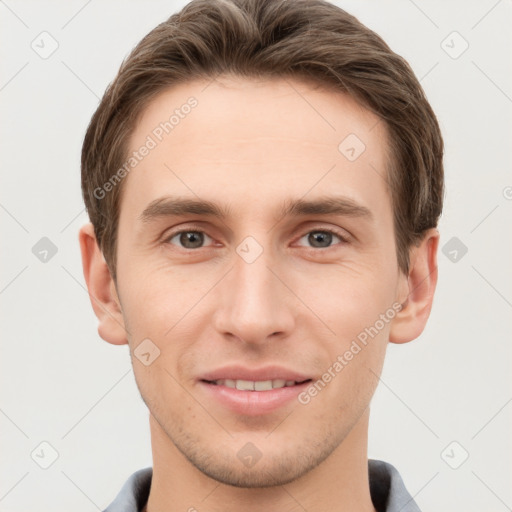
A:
x: 270, y: 137
x: 236, y: 106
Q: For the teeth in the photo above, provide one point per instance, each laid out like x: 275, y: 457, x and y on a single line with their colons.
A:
x: 245, y: 385
x: 251, y: 385
x: 263, y: 385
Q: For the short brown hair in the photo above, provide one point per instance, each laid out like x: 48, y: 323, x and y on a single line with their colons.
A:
x: 311, y: 40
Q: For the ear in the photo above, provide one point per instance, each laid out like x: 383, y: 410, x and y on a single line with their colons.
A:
x: 101, y: 287
x: 416, y: 291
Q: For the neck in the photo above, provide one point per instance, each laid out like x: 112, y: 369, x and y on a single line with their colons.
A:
x: 338, y: 484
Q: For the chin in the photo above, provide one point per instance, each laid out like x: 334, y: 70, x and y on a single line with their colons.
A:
x: 261, y: 476
x: 270, y: 470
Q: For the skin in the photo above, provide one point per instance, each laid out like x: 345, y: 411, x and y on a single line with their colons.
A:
x: 249, y: 145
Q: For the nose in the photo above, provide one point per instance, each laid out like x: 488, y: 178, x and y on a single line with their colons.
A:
x: 254, y: 304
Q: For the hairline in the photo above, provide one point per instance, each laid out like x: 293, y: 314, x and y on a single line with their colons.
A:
x: 314, y: 82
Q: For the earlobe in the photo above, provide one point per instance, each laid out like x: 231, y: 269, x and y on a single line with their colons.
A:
x: 420, y: 285
x: 101, y: 288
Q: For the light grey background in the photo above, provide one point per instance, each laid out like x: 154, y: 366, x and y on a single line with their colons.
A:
x: 62, y: 384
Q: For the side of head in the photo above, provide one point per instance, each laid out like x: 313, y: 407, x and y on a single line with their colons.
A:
x: 313, y: 41
x: 278, y: 86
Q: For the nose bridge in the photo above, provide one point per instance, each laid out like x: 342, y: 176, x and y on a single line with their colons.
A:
x: 253, y: 305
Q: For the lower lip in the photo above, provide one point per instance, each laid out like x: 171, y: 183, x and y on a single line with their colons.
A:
x: 253, y: 403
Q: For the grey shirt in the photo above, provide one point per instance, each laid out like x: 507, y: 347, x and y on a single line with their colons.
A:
x: 387, y: 490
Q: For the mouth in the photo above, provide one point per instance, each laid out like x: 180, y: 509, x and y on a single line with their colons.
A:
x: 253, y: 392
x: 255, y: 385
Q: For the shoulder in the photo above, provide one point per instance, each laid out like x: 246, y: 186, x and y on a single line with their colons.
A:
x: 387, y: 488
x: 134, y: 494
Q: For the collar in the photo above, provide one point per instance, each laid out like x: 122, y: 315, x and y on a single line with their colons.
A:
x: 387, y: 490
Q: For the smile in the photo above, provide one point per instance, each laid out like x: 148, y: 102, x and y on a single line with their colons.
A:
x: 251, y: 385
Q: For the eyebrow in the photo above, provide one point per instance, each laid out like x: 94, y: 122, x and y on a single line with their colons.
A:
x: 170, y: 206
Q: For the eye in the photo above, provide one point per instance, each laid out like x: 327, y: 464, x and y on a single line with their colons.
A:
x: 195, y: 239
x: 322, y: 238
x: 189, y: 239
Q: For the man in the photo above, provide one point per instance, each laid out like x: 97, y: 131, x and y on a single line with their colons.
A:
x: 264, y: 181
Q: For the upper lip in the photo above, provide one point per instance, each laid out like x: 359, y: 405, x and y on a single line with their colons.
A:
x: 236, y: 372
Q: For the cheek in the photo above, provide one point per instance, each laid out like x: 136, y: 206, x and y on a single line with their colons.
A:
x: 159, y: 307
x: 348, y: 299
x: 158, y: 297
x: 357, y: 308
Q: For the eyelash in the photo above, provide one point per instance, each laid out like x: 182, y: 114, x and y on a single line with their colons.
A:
x: 343, y: 239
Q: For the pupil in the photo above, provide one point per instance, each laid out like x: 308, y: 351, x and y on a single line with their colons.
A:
x: 191, y: 238
x: 319, y: 236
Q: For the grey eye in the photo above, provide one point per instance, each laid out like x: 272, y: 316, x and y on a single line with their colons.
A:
x: 321, y: 238
x: 190, y: 239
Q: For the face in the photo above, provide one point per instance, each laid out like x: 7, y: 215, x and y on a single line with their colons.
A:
x: 269, y: 279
